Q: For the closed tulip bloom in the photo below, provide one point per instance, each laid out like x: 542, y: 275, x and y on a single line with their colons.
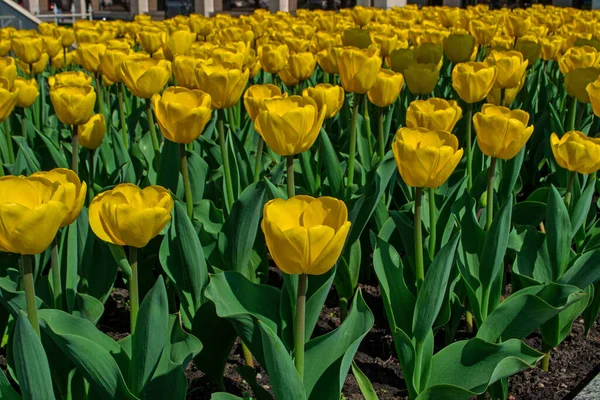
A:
x: 473, y: 80
x: 297, y: 44
x: 577, y: 57
x: 287, y: 78
x: 75, y: 191
x: 67, y: 35
x: 576, y: 152
x: 31, y: 211
x: 8, y: 99
x: 425, y: 158
x: 482, y: 30
x: 551, y: 47
x: 326, y: 96
x: 510, y: 65
x: 90, y: 54
x: 290, y: 126
x: 302, y: 65
x: 184, y: 69
x: 530, y: 47
x: 593, y: 90
x: 400, y: 59
x: 225, y: 86
x: 429, y: 53
x: 145, y: 77
x: 327, y: 60
x: 386, y: 89
x: 421, y: 78
x: 35, y: 68
x: 70, y: 78
x: 5, y: 46
x: 130, y: 216
x: 27, y: 91
x: 356, y: 37
x: 46, y: 29
x: 459, y: 47
x: 273, y: 56
x: 434, y: 114
x: 501, y: 132
x: 387, y: 43
x: 74, y: 105
x: 151, y: 39
x: 181, y: 113
x: 305, y: 235
x: 516, y: 25
x: 110, y: 63
x: 362, y: 15
x: 8, y: 70
x: 52, y: 45
x: 255, y: 96
x: 228, y: 58
x: 253, y: 64
x: 576, y: 82
x: 28, y: 49
x: 358, y: 68
x: 87, y: 36
x: 177, y: 43
x: 91, y: 134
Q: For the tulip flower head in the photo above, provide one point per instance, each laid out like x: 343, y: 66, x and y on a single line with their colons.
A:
x: 74, y: 105
x: 28, y: 49
x: 577, y: 81
x: 145, y: 77
x: 91, y: 134
x: 75, y: 191
x: 358, y: 68
x: 387, y: 88
x: 473, y: 80
x: 576, y: 152
x: 421, y: 78
x: 71, y: 78
x: 434, y: 114
x: 255, y: 96
x: 224, y: 85
x: 326, y: 96
x: 27, y: 92
x: 510, y: 65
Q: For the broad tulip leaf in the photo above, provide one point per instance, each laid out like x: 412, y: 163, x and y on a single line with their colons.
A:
x: 526, y: 310
x: 55, y: 152
x: 87, y: 307
x: 591, y: 312
x: 582, y: 207
x: 558, y: 237
x: 246, y: 171
x: 510, y: 175
x: 431, y: 295
x: 239, y: 231
x: 149, y: 337
x: 198, y: 171
x: 168, y: 170
x: 123, y: 158
x: 529, y: 212
x: 33, y: 165
x: 558, y: 328
x: 364, y: 384
x: 6, y: 389
x: 308, y: 176
x: 224, y: 396
x: 584, y: 270
x: 532, y: 265
x: 467, y: 368
x: 347, y: 271
x: 98, y: 269
x: 333, y: 169
x: 31, y: 363
x: 183, y: 261
x: 249, y: 375
x: 328, y: 357
x: 72, y: 262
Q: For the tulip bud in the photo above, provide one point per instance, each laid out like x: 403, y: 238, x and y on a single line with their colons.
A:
x: 178, y: 43
x: 473, y: 80
x: 516, y: 25
x: 360, y: 38
x: 510, y: 65
x: 530, y: 48
x: 8, y: 70
x: 577, y: 57
x: 145, y: 77
x: 421, y: 78
x: 273, y: 56
x: 151, y: 39
x: 224, y: 85
x: 362, y: 15
x: 327, y: 97
x: 358, y: 68
x: 429, y: 53
x: 327, y: 60
x: 74, y: 105
x: 386, y: 89
x: 459, y: 47
x: 90, y: 54
x: 28, y: 49
x: 302, y: 65
x: 27, y: 91
x: 400, y: 59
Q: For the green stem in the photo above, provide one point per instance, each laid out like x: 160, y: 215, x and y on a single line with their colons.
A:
x: 75, y: 150
x: 290, y: 177
x: 325, y: 77
x: 186, y: 181
x: 91, y: 177
x: 432, y: 223
x: 122, y: 114
x: 343, y: 309
x: 380, y: 135
x: 134, y: 300
x: 231, y: 119
x: 419, y: 267
x: 258, y: 163
x: 368, y: 125
x: 352, y: 151
x: 468, y: 127
x: 99, y: 94
x: 152, y: 126
x: 490, y: 195
x: 485, y: 301
x: 546, y: 361
x: 28, y: 285
x: 56, y: 280
x: 299, y: 326
x: 225, y: 155
x: 11, y: 152
x: 572, y: 114
x: 569, y: 188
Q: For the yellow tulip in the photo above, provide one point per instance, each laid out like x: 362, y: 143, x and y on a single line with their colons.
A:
x: 576, y: 82
x: 358, y: 68
x: 510, y: 65
x: 429, y: 53
x: 551, y: 47
x: 502, y: 43
x: 386, y: 89
x: 28, y: 49
x: 145, y: 77
x: 327, y: 60
x: 425, y: 158
x: 400, y: 59
x: 362, y: 15
x: 305, y: 235
x: 181, y: 113
x: 27, y: 91
x: 255, y: 96
x: 593, y: 90
x: 421, y: 78
x: 473, y: 80
x: 70, y: 78
x: 501, y: 132
x: 52, y: 46
x: 74, y: 105
x: 110, y: 63
x: 253, y: 64
x: 297, y: 44
x: 510, y: 95
x: 459, y: 47
x: 325, y: 40
x: 75, y: 191
x: 327, y: 97
x: 356, y: 37
x: 516, y: 25
x: 58, y: 62
x: 91, y: 134
x: 46, y: 29
x: 130, y: 216
x: 87, y: 36
x: 387, y: 43
x: 8, y: 70
x: 90, y: 54
x: 434, y: 114
x: 530, y: 47
x: 177, y: 43
x: 290, y: 125
x: 224, y: 85
x: 118, y: 44
x: 8, y: 99
x: 151, y: 39
x: 184, y: 69
x: 576, y: 152
x: 67, y: 35
x: 31, y: 211
x: 228, y: 58
x: 302, y: 65
x: 482, y: 30
x: 577, y: 57
x: 5, y: 46
x: 273, y: 56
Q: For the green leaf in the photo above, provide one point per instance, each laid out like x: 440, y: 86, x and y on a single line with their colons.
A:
x: 307, y: 172
x: 6, y: 390
x: 224, y: 396
x: 431, y: 295
x: 149, y: 338
x: 510, y: 174
x: 249, y: 375
x: 582, y: 207
x: 348, y: 270
x: 183, y: 261
x: 87, y: 307
x: 168, y: 170
x: 31, y: 363
x: 364, y: 384
x: 333, y: 168
x: 72, y: 263
x: 14, y: 299
x: 239, y: 231
x: 122, y: 158
x: 120, y: 258
x: 33, y: 165
x: 591, y: 312
x: 529, y: 213
x: 584, y: 270
x: 558, y: 238
x: 467, y: 368
x: 57, y: 155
